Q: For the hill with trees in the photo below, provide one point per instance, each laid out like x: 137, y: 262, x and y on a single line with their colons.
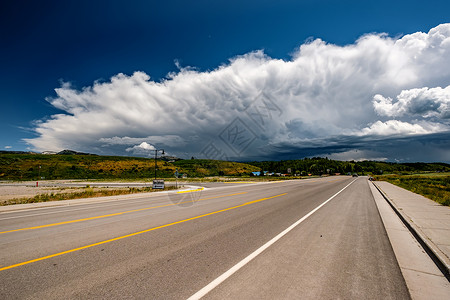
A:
x: 320, y: 166
x: 76, y: 165
x: 32, y: 166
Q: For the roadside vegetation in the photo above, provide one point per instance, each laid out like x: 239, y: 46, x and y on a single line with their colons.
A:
x: 321, y: 166
x: 29, y: 166
x: 428, y: 179
x: 433, y: 186
x: 87, y: 192
x: 50, y: 167
x: 207, y: 167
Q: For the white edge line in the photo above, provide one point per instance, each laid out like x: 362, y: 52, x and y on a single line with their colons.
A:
x: 246, y: 260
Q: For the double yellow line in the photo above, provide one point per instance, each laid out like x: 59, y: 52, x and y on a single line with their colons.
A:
x: 139, y: 232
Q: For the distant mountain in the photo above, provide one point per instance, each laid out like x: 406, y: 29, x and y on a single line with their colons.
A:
x: 64, y: 152
x: 72, y: 152
x: 16, y: 152
x: 170, y: 158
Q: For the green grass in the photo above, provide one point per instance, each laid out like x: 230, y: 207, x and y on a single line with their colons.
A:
x: 443, y: 174
x: 87, y: 193
x: 433, y: 186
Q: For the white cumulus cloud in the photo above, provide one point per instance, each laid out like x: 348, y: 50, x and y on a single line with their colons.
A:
x: 255, y: 105
x: 399, y: 128
x: 143, y: 148
x: 424, y: 102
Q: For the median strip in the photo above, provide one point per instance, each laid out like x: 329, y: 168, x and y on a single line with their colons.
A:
x: 137, y: 233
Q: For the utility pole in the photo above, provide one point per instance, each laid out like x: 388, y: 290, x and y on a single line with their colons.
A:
x: 156, y: 156
x: 158, y: 184
x: 39, y: 176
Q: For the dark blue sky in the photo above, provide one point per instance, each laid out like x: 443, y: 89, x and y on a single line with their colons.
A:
x: 44, y: 43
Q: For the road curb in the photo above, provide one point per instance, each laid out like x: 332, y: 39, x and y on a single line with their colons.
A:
x: 430, y: 248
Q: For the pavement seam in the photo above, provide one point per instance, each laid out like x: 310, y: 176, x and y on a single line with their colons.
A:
x: 430, y: 248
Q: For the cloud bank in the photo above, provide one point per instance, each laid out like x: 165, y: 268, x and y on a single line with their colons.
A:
x: 326, y: 100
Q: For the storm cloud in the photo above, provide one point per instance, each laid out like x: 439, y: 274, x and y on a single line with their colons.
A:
x: 327, y: 100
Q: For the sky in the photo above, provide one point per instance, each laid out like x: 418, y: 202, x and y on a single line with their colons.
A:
x: 232, y: 80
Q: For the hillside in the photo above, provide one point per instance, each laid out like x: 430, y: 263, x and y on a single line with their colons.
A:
x: 25, y: 166
x: 207, y: 167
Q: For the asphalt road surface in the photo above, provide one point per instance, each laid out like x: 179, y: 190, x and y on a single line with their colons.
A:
x: 171, y: 246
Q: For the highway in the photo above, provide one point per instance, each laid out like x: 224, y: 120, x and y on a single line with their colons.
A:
x: 174, y: 246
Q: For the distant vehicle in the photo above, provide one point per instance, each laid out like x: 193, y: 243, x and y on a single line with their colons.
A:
x: 355, y: 175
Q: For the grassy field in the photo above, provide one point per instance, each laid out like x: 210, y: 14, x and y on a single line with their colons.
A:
x: 435, y: 186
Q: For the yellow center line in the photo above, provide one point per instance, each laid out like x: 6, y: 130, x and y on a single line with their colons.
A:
x: 136, y: 233
x: 239, y: 182
x: 190, y: 191
x: 112, y: 215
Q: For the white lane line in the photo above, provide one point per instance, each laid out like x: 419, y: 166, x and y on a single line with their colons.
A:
x: 246, y: 260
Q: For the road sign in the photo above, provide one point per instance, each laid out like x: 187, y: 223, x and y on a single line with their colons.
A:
x: 158, y: 184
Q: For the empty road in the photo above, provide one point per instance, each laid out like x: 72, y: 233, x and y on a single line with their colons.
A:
x: 172, y: 246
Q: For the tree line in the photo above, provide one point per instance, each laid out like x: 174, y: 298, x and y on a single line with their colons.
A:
x: 321, y: 166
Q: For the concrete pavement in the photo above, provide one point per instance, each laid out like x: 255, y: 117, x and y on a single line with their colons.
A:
x: 429, y: 220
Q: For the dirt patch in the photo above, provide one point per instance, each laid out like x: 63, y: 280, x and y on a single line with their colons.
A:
x: 28, y: 192
x: 10, y: 192
x: 16, y: 191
